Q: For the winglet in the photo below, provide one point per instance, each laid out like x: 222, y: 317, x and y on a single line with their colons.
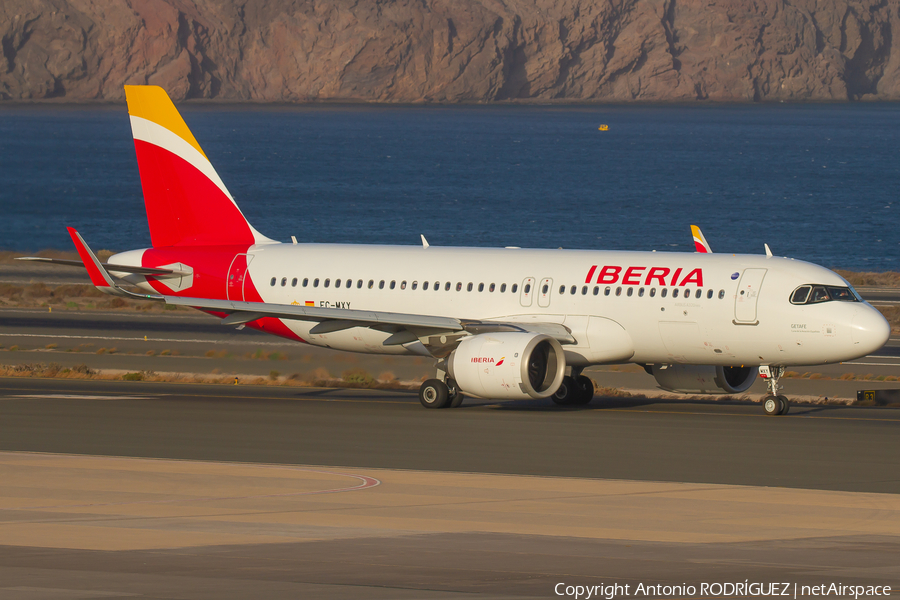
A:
x: 768, y: 251
x: 425, y: 243
x: 700, y: 242
x: 99, y: 276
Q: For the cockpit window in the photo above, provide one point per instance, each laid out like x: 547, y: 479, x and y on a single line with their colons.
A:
x: 801, y: 294
x: 815, y: 294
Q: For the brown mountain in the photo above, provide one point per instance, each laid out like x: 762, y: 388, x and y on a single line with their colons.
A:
x: 453, y: 50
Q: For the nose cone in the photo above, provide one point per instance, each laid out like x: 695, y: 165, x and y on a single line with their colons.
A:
x: 869, y: 331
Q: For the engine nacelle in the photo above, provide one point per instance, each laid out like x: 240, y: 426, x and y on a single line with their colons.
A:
x: 510, y: 365
x: 704, y: 379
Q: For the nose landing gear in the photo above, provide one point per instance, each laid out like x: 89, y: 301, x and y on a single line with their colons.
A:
x: 774, y: 404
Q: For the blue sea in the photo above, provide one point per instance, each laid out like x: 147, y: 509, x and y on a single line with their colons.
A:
x: 815, y: 182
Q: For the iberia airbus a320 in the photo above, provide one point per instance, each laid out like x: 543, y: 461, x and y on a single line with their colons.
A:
x: 499, y: 323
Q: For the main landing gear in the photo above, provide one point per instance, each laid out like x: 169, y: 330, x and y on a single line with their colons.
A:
x: 435, y: 393
x: 774, y: 404
x: 576, y: 390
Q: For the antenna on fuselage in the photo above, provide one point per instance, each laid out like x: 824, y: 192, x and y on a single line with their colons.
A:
x: 768, y: 252
x: 424, y: 241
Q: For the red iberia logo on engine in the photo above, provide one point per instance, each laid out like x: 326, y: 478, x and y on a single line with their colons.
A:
x: 663, y: 276
x: 500, y: 362
x: 488, y: 359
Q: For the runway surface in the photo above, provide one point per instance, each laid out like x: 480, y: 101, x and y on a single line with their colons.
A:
x: 150, y: 490
x: 242, y: 492
x: 835, y: 448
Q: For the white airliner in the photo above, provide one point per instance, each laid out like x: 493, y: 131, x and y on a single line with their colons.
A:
x: 500, y: 323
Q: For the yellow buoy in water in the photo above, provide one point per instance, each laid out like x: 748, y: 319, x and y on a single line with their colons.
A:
x: 603, y: 128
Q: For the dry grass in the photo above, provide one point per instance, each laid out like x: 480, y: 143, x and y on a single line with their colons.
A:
x: 886, y: 279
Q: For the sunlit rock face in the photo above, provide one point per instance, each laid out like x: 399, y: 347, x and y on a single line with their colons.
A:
x: 452, y: 50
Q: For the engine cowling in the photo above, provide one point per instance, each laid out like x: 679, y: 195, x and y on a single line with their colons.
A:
x: 704, y: 379
x: 508, y: 365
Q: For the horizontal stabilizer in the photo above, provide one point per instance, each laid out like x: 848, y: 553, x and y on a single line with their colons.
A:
x: 100, y: 277
x: 107, y: 266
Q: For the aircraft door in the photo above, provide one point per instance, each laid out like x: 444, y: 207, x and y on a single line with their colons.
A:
x: 544, y: 291
x: 527, y: 295
x: 237, y: 273
x: 747, y: 296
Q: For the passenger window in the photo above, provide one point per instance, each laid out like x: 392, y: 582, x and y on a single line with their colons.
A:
x: 675, y: 293
x: 381, y: 284
x: 425, y: 286
x: 607, y: 291
x: 596, y: 289
x: 459, y: 286
x: 663, y: 292
x: 294, y: 282
x: 721, y: 294
x: 393, y: 283
x: 562, y: 290
x: 574, y: 289
x: 584, y: 290
x: 359, y: 284
x: 305, y: 281
x: 502, y: 287
x: 371, y: 283
x: 272, y: 282
x: 283, y: 281
x: 337, y: 283
x: 514, y: 287
x: 545, y: 289
x: 527, y: 288
x: 491, y: 289
x: 698, y: 294
x: 316, y: 282
x: 415, y: 284
x: 480, y: 287
x: 641, y: 293
x: 652, y: 292
x: 630, y: 292
x: 447, y: 286
x: 709, y: 294
x: 403, y: 285
x: 327, y: 281
x: 619, y: 291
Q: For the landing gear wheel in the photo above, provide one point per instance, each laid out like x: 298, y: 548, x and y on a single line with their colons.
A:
x: 434, y: 393
x: 773, y: 405
x: 585, y: 390
x: 567, y: 392
x: 785, y: 405
x: 456, y: 396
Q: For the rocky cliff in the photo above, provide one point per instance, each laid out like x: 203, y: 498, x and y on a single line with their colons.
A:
x: 453, y: 50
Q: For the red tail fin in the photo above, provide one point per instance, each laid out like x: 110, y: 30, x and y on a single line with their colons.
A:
x: 187, y: 203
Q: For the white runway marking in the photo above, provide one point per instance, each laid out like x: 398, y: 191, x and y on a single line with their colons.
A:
x: 79, y: 397
x: 870, y: 364
x: 140, y: 339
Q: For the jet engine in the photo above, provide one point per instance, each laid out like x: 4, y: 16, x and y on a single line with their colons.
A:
x: 511, y: 365
x: 703, y: 379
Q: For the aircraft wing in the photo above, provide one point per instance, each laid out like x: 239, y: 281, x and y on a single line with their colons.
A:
x: 405, y: 327
x: 336, y: 319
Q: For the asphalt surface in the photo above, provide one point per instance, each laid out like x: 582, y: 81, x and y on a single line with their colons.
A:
x: 830, y: 448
